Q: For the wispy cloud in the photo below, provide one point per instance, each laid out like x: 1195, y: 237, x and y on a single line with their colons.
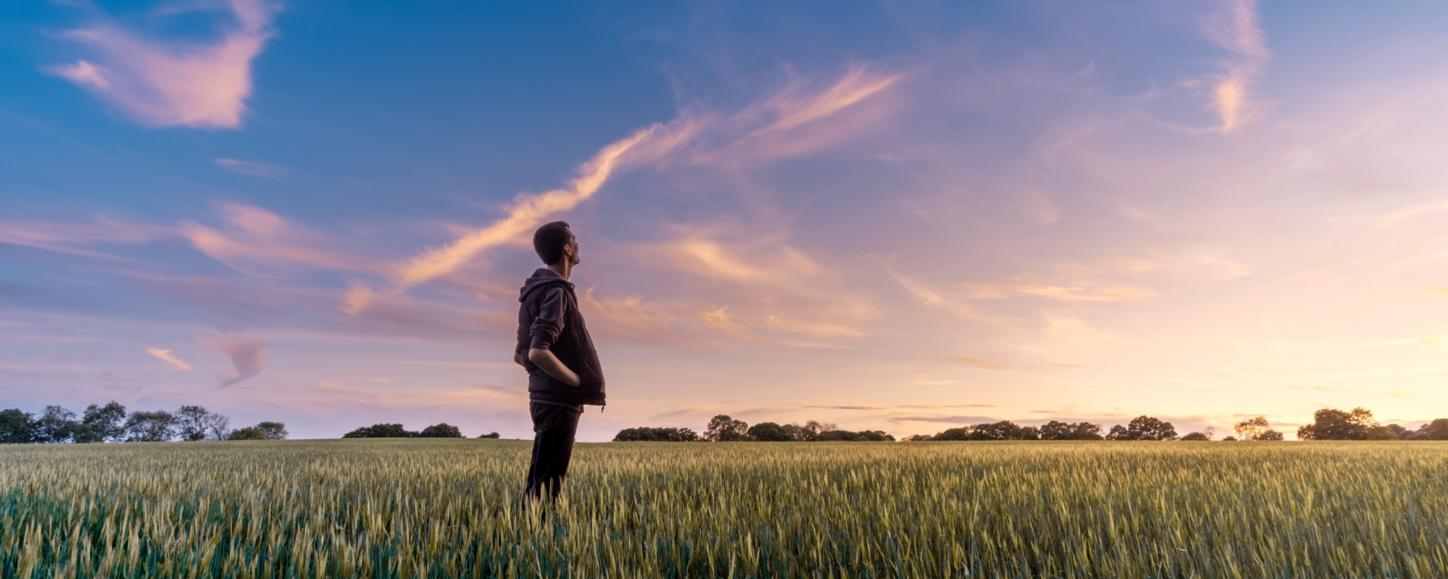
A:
x: 164, y: 82
x: 67, y: 237
x: 261, y: 169
x: 1234, y: 27
x: 247, y: 358
x: 255, y: 239
x: 529, y: 210
x: 166, y: 356
x: 932, y: 298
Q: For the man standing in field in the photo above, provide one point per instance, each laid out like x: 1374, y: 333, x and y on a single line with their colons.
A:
x: 555, y: 349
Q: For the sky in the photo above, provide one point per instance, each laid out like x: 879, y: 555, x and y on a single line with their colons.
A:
x: 904, y: 216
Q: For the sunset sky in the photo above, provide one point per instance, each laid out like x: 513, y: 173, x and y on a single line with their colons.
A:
x: 886, y: 215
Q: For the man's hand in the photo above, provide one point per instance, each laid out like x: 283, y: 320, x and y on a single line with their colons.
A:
x: 550, y: 363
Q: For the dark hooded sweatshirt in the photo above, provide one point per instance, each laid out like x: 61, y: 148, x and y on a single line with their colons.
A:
x: 548, y: 319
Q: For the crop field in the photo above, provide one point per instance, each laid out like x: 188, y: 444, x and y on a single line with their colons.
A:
x: 447, y: 508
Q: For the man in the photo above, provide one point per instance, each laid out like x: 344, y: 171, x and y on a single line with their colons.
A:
x: 554, y: 346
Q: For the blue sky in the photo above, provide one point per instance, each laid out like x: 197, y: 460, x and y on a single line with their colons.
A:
x: 904, y: 216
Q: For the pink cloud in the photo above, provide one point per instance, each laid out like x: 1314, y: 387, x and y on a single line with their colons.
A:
x: 247, y: 358
x: 165, y: 83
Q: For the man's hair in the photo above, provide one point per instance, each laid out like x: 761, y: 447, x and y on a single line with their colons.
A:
x: 549, y: 240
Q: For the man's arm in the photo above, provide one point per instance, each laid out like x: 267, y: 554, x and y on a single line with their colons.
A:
x: 545, y: 329
x: 550, y: 363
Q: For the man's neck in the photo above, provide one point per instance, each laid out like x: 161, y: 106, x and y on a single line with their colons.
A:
x: 562, y: 268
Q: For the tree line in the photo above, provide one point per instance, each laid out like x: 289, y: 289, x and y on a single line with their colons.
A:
x: 723, y: 428
x: 395, y: 430
x: 111, y: 423
x: 1328, y: 424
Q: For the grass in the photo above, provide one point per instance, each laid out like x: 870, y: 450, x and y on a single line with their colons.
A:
x: 448, y: 508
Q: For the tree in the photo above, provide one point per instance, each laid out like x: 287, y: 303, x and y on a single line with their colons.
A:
x: 392, y: 430
x: 1144, y: 428
x: 722, y: 428
x: 16, y: 426
x: 1270, y: 435
x: 102, y: 423
x: 265, y: 430
x: 813, y: 428
x: 1251, y: 428
x: 247, y: 433
x: 770, y: 432
x: 150, y: 426
x: 1334, y: 424
x: 1003, y: 430
x: 864, y: 435
x: 192, y: 422
x: 489, y: 435
x: 272, y: 430
x: 441, y: 430
x: 1435, y: 430
x: 660, y: 434
x: 1195, y: 436
x: 56, y: 425
x: 217, y: 426
x: 1057, y: 430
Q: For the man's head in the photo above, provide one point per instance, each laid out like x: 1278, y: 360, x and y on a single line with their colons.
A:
x: 555, y: 242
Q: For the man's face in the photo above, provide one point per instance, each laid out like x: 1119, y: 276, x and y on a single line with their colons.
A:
x: 572, y: 250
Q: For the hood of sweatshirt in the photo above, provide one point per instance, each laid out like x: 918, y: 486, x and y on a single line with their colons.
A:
x: 541, y: 278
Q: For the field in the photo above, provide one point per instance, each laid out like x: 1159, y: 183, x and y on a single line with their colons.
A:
x: 448, y: 508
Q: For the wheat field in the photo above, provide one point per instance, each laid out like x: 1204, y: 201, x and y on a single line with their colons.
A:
x: 446, y: 508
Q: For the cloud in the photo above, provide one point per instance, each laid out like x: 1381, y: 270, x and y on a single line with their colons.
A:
x: 247, y: 358
x: 1233, y: 27
x: 166, y: 356
x: 254, y: 168
x: 64, y: 237
x: 356, y: 299
x: 529, y: 210
x: 255, y: 239
x: 932, y: 298
x: 166, y: 83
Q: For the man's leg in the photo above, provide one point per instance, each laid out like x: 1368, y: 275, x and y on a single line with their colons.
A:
x: 554, y: 428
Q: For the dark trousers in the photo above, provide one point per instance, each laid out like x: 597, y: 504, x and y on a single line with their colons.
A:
x: 553, y: 429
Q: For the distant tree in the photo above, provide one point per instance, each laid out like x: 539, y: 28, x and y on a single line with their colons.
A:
x: 1334, y: 424
x: 1229, y: 438
x: 864, y: 435
x: 813, y: 428
x: 246, y: 433
x: 1381, y: 433
x: 1251, y: 428
x: 1270, y: 435
x: 1399, y: 432
x: 489, y: 435
x: 16, y: 426
x: 1435, y: 430
x: 957, y: 433
x: 56, y: 425
x: 273, y: 430
x: 381, y: 431
x: 150, y: 426
x: 102, y: 423
x: 1057, y: 430
x: 796, y: 432
x: 920, y: 437
x: 192, y: 422
x: 722, y: 428
x: 217, y: 426
x: 1195, y: 436
x: 1143, y: 428
x: 769, y: 431
x: 441, y: 430
x: 658, y: 434
x: 1003, y: 430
